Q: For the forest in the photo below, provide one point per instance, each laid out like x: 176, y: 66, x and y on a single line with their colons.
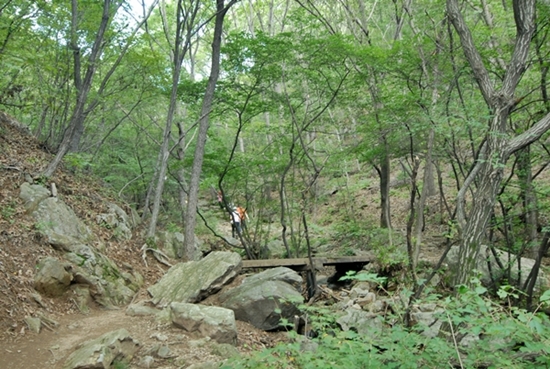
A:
x: 282, y: 107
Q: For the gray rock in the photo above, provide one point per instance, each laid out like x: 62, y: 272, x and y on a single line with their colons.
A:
x: 159, y: 336
x: 51, y: 278
x: 361, y: 321
x: 164, y: 352
x: 209, y: 321
x: 63, y: 230
x: 117, y: 220
x: 469, y: 340
x: 82, y: 297
x: 60, y: 225
x: 367, y: 300
x: 282, y: 274
x: 307, y: 345
x: 205, y: 365
x: 146, y: 362
x: 360, y: 290
x: 107, y: 284
x: 428, y: 322
x: 196, y: 280
x: 32, y: 195
x: 101, y: 352
x: 224, y: 350
x: 276, y: 249
x: 262, y: 302
x: 34, y: 324
x: 171, y: 243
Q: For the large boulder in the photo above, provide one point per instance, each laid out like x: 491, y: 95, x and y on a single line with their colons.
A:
x: 282, y: 274
x: 51, y: 278
x: 209, y: 321
x: 195, y: 280
x: 102, y: 352
x: 264, y: 299
x: 109, y: 286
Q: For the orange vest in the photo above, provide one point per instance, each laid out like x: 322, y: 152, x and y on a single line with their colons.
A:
x: 242, y: 213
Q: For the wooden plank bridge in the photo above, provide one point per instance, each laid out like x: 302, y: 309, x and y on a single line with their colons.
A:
x: 300, y: 264
x: 342, y: 265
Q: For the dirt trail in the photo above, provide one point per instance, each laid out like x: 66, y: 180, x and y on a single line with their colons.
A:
x: 49, y: 349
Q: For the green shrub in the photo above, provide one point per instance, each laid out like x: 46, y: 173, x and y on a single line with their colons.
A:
x: 503, y: 337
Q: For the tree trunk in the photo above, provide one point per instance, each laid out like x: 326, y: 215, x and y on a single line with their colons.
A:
x: 490, y: 166
x: 82, y: 86
x: 185, y: 22
x: 191, y: 215
x: 426, y: 188
x: 385, y: 214
x: 181, y: 172
x: 529, y: 201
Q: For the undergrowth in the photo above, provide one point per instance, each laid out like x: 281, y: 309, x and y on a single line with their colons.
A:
x: 476, y: 332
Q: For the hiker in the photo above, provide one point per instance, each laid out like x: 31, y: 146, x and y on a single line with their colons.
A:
x: 243, y: 215
x: 220, y: 200
x: 235, y: 219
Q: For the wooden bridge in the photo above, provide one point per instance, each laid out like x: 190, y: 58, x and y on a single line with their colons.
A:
x: 300, y: 264
x: 342, y: 265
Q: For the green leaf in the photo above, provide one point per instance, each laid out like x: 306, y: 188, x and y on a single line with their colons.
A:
x: 480, y: 290
x: 545, y: 296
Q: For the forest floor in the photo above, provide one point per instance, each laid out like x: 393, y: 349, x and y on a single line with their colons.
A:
x: 21, y: 246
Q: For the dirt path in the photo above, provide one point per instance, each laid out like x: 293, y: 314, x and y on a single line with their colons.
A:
x: 49, y: 349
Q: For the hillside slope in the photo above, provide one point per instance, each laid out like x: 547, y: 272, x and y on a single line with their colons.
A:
x: 21, y: 246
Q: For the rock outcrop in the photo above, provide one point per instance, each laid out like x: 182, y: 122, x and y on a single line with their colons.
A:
x: 82, y: 262
x: 195, y: 280
x: 51, y: 278
x: 103, y: 352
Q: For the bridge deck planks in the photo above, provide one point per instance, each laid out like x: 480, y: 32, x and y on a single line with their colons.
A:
x: 304, y: 262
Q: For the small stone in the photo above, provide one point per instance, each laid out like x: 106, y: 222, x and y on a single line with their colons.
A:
x: 34, y: 324
x: 427, y: 307
x: 159, y: 336
x: 309, y: 346
x: 367, y: 300
x: 164, y: 352
x: 224, y: 350
x: 146, y: 362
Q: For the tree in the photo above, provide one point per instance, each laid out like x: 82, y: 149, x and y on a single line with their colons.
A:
x: 186, y: 21
x: 196, y: 170
x: 496, y: 148
x: 83, y: 84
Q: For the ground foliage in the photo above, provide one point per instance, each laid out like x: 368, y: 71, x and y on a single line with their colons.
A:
x: 478, y: 332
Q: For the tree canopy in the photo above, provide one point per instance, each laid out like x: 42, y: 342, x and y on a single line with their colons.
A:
x: 308, y: 93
